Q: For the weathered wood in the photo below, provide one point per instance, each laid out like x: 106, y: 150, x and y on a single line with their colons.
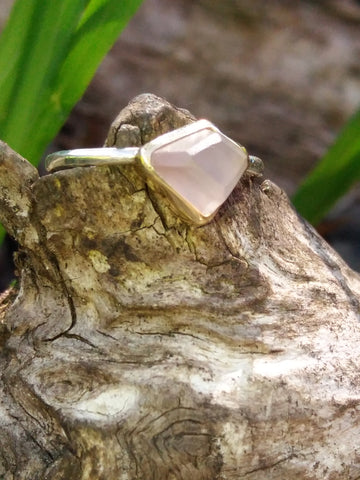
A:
x: 141, y: 347
x: 16, y: 177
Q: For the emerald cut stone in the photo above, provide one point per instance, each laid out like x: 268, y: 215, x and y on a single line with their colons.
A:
x: 202, y: 167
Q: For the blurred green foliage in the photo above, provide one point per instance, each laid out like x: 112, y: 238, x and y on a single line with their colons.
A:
x: 49, y: 51
x: 333, y: 176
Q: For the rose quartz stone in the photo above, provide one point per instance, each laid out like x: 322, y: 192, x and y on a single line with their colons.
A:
x: 202, y: 167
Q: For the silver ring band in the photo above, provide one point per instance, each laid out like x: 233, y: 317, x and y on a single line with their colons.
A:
x: 85, y: 157
x: 92, y: 157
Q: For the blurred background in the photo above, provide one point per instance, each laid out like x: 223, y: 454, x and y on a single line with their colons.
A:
x: 280, y: 77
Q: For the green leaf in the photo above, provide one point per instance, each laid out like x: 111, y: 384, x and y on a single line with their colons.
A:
x: 2, y: 233
x: 334, y: 175
x: 46, y: 30
x: 49, y: 51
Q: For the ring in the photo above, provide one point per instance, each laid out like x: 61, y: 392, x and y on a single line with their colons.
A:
x: 196, y: 166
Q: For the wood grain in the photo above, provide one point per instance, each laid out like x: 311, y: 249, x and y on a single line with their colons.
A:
x: 141, y: 347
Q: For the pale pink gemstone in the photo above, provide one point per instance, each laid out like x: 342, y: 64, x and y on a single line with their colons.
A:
x: 203, y: 167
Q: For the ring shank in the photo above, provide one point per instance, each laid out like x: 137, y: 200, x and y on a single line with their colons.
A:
x: 86, y: 157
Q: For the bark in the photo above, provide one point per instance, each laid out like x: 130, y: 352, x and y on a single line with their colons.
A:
x: 138, y: 346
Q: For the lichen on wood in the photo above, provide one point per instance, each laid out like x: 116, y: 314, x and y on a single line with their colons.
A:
x: 139, y: 346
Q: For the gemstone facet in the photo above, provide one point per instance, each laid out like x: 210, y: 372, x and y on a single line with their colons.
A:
x: 201, y: 167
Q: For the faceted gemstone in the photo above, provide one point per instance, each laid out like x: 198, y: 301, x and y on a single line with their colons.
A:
x: 202, y: 167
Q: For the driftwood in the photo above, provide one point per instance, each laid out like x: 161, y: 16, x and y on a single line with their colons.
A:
x: 139, y: 347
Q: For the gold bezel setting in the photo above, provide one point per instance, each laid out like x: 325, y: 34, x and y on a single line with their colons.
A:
x: 185, y: 208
